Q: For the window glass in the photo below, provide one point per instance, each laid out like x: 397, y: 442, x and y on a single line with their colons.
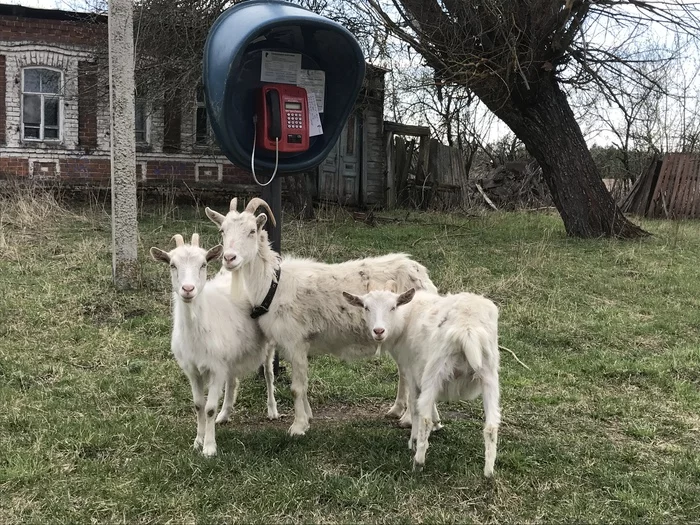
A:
x: 41, y: 104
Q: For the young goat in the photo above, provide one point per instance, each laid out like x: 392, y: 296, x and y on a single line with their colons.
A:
x: 448, y: 348
x: 213, y: 339
x: 308, y: 315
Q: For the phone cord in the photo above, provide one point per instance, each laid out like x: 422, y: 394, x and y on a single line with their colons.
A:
x: 252, y: 156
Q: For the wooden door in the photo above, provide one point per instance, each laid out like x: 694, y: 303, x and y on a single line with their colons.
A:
x: 339, y: 174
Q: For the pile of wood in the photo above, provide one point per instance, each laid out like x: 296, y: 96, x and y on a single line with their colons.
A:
x: 515, y: 185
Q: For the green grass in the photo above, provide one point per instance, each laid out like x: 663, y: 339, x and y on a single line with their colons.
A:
x: 96, y: 421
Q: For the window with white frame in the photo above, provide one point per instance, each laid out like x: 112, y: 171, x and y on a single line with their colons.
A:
x: 202, y: 135
x: 41, y: 103
x: 141, y: 120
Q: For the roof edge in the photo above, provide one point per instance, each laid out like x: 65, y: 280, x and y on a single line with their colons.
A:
x: 50, y: 14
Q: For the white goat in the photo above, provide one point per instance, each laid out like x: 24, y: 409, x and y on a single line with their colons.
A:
x: 308, y: 315
x: 448, y: 349
x: 213, y: 339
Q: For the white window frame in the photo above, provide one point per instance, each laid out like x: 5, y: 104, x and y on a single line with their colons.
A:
x: 147, y: 117
x: 42, y: 95
x: 209, y: 137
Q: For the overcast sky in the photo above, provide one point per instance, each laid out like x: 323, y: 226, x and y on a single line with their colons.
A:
x: 42, y: 4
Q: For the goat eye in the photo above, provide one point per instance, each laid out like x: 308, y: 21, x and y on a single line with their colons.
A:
x: 252, y: 232
x: 366, y: 309
x: 204, y: 266
x: 221, y: 230
x: 172, y: 267
x: 394, y: 308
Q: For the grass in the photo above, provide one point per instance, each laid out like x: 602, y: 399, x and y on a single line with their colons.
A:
x: 96, y: 421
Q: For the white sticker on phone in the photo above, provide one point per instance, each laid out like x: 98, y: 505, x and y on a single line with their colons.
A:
x: 280, y: 68
x: 314, y: 81
x: 315, y: 127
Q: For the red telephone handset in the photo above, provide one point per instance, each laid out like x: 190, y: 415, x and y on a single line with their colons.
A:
x: 283, y: 114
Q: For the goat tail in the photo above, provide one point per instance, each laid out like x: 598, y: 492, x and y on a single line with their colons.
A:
x: 472, y: 341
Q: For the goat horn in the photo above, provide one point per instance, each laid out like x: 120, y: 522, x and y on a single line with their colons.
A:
x: 179, y: 241
x: 195, y: 240
x: 255, y: 203
x: 234, y: 204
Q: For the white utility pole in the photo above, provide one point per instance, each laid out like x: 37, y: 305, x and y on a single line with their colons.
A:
x: 123, y: 141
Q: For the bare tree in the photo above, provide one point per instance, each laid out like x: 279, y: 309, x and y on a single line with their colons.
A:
x: 517, y: 56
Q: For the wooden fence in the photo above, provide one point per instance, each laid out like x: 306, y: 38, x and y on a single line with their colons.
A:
x: 422, y: 172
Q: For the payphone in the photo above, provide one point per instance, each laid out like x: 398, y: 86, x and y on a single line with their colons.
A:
x: 282, y: 118
x: 267, y: 67
x: 281, y: 123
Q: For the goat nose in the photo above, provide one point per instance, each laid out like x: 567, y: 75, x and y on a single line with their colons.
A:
x: 230, y: 258
x: 188, y: 287
x: 379, y: 331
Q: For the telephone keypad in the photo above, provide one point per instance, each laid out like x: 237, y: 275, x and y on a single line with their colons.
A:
x: 294, y: 119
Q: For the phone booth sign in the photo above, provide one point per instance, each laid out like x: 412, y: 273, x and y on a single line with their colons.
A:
x: 280, y: 83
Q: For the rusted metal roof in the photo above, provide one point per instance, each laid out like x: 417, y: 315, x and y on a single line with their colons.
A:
x: 669, y: 189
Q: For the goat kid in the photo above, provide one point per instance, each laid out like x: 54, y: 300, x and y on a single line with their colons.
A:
x: 213, y: 339
x: 308, y: 315
x: 447, y: 347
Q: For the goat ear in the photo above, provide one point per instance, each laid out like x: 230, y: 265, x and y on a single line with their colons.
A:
x: 260, y: 220
x: 214, y: 216
x: 390, y: 286
x: 159, y: 255
x: 215, y: 252
x: 406, y: 297
x: 353, y: 300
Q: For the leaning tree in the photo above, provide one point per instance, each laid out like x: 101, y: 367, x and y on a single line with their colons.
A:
x: 516, y: 56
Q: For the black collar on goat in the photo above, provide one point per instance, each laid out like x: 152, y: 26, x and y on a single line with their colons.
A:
x: 264, y: 307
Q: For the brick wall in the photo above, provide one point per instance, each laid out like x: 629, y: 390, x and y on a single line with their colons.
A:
x: 76, y: 47
x: 91, y: 170
x: 82, y: 157
x: 85, y: 170
x: 87, y: 104
x: 2, y: 99
x: 72, y: 32
x: 16, y: 166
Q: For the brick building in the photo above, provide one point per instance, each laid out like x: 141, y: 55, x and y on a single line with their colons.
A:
x: 54, y: 123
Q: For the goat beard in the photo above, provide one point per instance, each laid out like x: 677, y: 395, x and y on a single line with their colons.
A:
x: 237, y: 285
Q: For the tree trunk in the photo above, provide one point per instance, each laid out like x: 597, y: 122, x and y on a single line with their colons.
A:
x: 548, y: 128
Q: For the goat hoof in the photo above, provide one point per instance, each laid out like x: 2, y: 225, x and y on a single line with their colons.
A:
x: 411, y: 442
x: 417, y: 467
x: 298, y: 429
x: 405, y: 422
x: 488, y: 472
x: 198, y: 442
x: 222, y: 418
x: 209, y: 451
x: 272, y: 414
x: 437, y: 426
x: 395, y: 412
